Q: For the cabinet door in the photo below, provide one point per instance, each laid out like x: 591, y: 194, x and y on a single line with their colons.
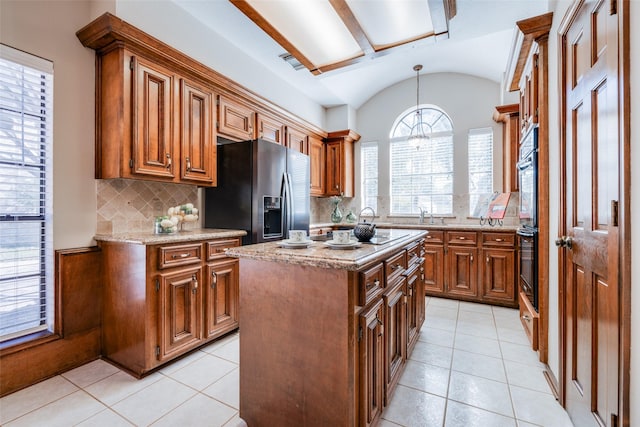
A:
x: 178, y: 311
x: 221, y: 298
x: 498, y: 275
x: 371, y: 364
x: 270, y: 129
x: 434, y: 270
x: 415, y: 305
x: 153, y: 148
x: 297, y: 140
x: 463, y: 272
x: 317, y: 165
x: 235, y: 120
x: 198, y: 142
x: 395, y: 334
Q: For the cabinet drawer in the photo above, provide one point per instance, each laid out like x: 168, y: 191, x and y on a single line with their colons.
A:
x: 371, y: 284
x: 395, y: 266
x: 462, y: 238
x: 216, y: 248
x: 414, y: 252
x: 435, y: 237
x: 498, y: 239
x: 529, y: 319
x: 171, y: 256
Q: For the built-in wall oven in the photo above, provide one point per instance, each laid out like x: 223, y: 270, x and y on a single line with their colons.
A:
x: 528, y: 213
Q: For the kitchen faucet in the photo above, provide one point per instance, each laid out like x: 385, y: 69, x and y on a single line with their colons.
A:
x: 422, y: 212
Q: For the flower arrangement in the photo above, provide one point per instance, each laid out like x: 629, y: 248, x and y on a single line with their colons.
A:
x: 176, y: 217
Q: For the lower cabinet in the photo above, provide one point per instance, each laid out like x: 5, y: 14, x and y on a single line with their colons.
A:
x: 471, y: 265
x: 393, y: 311
x: 163, y: 300
x: 371, y: 363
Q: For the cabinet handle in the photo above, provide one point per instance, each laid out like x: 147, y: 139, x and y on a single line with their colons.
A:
x: 214, y: 279
x: 175, y: 256
x: 526, y: 318
x: 337, y: 187
x: 471, y: 258
x: 429, y: 237
x: 188, y: 164
x: 499, y: 240
x: 168, y: 166
x: 462, y: 238
x: 195, y: 284
x: 487, y: 260
x: 376, y: 283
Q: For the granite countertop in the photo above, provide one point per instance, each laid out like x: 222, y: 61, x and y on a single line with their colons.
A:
x: 318, y: 254
x: 390, y: 225
x: 148, y: 238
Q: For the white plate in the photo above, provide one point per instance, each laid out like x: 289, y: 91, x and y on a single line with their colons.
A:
x: 351, y: 245
x: 294, y: 245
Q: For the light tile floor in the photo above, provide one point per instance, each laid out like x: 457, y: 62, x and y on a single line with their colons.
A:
x: 471, y: 367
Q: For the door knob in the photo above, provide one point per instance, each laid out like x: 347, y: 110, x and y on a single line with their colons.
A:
x: 564, y: 242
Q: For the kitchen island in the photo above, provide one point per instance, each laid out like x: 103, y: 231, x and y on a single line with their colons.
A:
x: 325, y: 333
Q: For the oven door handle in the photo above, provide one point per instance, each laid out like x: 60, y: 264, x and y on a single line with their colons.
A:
x: 525, y: 164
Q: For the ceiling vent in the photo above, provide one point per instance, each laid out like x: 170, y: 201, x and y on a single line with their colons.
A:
x: 291, y: 60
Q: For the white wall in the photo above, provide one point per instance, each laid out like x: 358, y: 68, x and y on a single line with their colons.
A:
x: 50, y: 33
x: 470, y: 102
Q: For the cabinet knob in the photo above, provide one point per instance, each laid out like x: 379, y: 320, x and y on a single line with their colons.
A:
x: 526, y: 318
x: 376, y: 283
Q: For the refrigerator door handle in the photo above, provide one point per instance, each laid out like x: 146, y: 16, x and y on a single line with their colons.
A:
x: 289, y: 199
x: 284, y: 193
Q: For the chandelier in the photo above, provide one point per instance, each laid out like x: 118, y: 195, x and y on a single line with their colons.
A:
x: 417, y: 137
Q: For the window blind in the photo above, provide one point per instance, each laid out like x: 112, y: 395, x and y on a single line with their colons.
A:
x: 480, y: 155
x: 26, y: 254
x: 369, y: 174
x: 422, y: 178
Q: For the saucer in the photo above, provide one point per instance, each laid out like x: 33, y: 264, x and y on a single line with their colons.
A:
x: 352, y: 244
x: 288, y: 244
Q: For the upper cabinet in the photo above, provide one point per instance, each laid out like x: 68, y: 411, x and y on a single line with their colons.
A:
x: 317, y: 157
x: 509, y: 116
x: 339, y: 163
x: 235, y: 120
x: 297, y: 139
x: 159, y: 112
x: 271, y: 129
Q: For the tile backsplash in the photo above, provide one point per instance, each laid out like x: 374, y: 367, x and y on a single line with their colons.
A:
x: 125, y: 205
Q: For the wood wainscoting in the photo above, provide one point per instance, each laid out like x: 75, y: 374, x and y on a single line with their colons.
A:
x: 76, y: 340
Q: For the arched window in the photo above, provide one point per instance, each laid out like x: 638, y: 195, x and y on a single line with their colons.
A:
x: 422, y: 176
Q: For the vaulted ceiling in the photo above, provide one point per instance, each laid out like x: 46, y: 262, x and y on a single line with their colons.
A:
x: 466, y: 36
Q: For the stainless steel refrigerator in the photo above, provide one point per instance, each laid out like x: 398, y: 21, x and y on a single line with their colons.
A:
x: 263, y: 188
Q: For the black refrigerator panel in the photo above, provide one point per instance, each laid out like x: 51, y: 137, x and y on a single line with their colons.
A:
x: 249, y: 191
x: 230, y: 204
x: 299, y: 177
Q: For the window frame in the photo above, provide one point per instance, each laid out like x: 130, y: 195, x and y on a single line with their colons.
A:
x: 43, y: 167
x: 473, y: 208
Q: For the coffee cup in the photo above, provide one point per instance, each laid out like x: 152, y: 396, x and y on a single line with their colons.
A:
x: 297, y: 236
x: 342, y: 236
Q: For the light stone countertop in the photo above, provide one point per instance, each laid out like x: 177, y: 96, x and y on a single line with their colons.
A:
x: 318, y: 254
x: 437, y: 226
x: 148, y: 238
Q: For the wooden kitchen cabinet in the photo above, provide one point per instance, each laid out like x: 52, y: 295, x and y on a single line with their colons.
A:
x: 471, y: 265
x: 178, y: 314
x: 498, y: 271
x: 395, y: 323
x: 371, y: 364
x: 152, y: 122
x: 317, y: 159
x: 434, y: 263
x: 163, y: 300
x: 339, y: 163
x: 221, y: 298
x: 235, y: 120
x: 297, y: 140
x: 271, y: 129
x: 509, y: 116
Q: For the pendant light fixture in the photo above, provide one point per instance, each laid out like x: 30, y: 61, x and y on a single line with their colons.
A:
x: 417, y: 137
